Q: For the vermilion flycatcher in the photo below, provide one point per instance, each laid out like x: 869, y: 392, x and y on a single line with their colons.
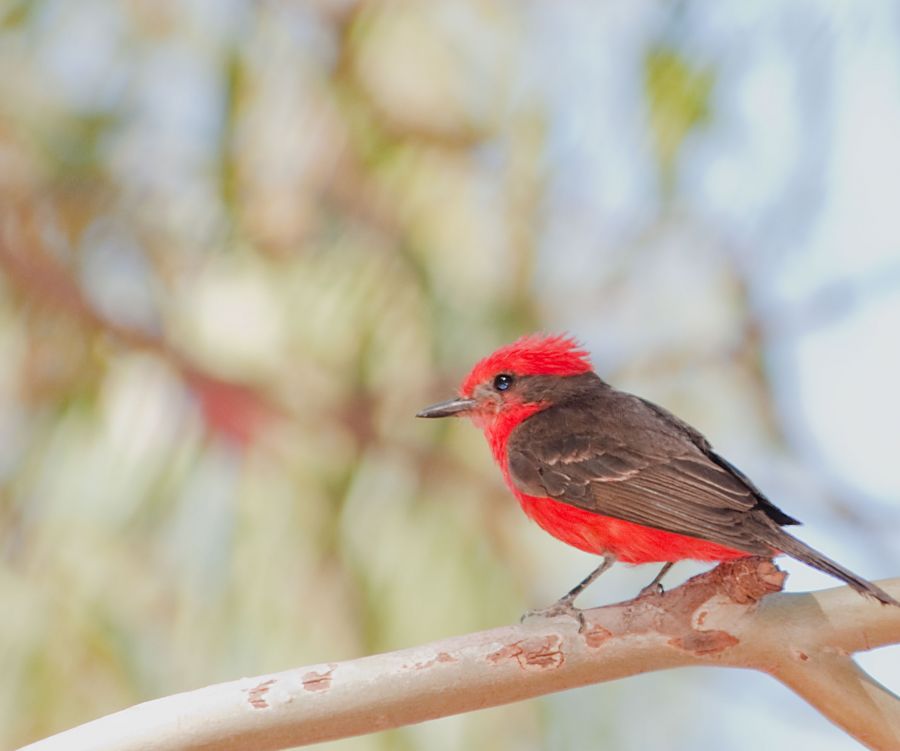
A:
x: 613, y: 474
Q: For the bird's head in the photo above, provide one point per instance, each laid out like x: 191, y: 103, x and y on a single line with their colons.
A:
x: 517, y: 377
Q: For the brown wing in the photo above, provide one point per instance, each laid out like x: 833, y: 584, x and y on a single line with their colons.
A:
x: 619, y: 456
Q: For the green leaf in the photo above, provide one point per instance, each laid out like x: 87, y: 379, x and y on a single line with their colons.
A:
x: 678, y: 94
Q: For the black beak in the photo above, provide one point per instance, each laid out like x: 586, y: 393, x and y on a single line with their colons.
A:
x: 448, y: 409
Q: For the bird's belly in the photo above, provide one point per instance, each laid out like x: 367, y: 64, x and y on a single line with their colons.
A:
x: 628, y: 542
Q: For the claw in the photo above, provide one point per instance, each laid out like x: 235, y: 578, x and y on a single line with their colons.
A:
x: 654, y: 588
x: 563, y: 606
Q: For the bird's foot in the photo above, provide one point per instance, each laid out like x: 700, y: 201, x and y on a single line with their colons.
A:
x: 563, y: 606
x: 653, y: 588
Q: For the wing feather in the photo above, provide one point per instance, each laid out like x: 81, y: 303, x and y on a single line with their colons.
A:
x: 631, y: 462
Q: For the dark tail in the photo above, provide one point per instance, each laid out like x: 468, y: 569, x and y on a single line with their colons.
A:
x: 803, y: 552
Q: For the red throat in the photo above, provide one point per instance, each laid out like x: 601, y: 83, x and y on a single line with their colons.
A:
x: 498, y: 427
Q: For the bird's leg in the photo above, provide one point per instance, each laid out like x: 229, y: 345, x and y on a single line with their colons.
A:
x: 565, y: 604
x: 569, y: 598
x: 655, y: 587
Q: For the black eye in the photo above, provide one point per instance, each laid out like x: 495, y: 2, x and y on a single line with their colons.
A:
x: 503, y: 381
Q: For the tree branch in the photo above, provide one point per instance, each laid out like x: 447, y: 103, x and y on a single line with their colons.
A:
x: 717, y: 618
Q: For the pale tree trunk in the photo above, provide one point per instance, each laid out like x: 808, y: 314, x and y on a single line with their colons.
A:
x: 733, y: 616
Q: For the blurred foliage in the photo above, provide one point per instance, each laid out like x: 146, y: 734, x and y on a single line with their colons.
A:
x: 240, y: 245
x: 678, y: 96
x: 238, y: 254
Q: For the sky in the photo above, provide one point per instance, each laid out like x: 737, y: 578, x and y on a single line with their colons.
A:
x: 799, y: 172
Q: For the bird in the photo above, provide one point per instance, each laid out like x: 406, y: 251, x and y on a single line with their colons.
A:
x: 616, y: 475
